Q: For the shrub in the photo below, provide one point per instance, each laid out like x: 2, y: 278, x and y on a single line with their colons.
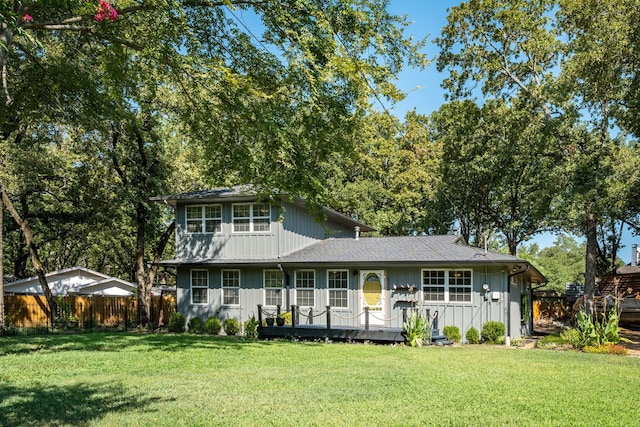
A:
x: 553, y: 341
x: 213, y: 326
x: 251, y: 327
x: 196, y: 325
x: 231, y: 326
x: 287, y: 317
x: 452, y: 333
x: 492, y: 331
x: 177, y: 321
x: 571, y: 336
x: 594, y: 333
x: 472, y: 336
x: 615, y: 349
x: 417, y: 331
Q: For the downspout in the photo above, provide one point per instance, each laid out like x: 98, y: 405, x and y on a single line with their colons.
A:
x: 287, y: 286
x: 507, y: 338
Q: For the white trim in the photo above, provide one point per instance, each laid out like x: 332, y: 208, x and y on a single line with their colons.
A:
x: 447, y: 286
x: 329, y: 289
x: 191, y: 271
x: 203, y: 219
x: 235, y: 288
x: 312, y: 289
x: 264, y: 287
x: 377, y: 316
x: 251, y: 218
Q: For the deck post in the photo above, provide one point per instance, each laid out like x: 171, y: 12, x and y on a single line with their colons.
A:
x: 366, y: 318
x: 294, y: 315
x: 259, y: 314
x: 328, y: 317
x: 404, y: 315
x: 435, y: 320
x: 310, y: 316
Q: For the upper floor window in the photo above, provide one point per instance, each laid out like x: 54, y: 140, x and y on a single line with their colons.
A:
x: 231, y: 287
x: 251, y: 217
x: 204, y: 219
x: 338, y: 288
x: 199, y: 287
x: 446, y: 285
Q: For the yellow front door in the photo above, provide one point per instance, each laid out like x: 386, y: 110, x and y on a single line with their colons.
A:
x: 372, y: 296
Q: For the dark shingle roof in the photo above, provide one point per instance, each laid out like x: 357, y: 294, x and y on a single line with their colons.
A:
x: 441, y: 249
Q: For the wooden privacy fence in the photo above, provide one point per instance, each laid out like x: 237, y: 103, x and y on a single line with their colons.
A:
x: 550, y: 309
x: 30, y: 311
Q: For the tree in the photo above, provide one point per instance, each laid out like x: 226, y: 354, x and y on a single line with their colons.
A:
x: 517, y: 50
x: 392, y: 183
x: 496, y: 171
x: 267, y: 110
x: 561, y: 263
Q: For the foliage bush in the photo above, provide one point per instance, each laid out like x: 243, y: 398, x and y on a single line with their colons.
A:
x: 231, y: 326
x: 417, y: 330
x: 571, y: 336
x: 251, y: 327
x: 213, y: 326
x: 492, y: 331
x: 554, y: 342
x: 452, y: 333
x: 615, y: 349
x: 594, y: 332
x: 472, y: 336
x: 287, y: 317
x: 177, y: 322
x: 196, y: 325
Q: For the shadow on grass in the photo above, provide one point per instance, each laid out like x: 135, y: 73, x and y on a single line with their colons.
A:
x: 121, y: 341
x: 67, y: 405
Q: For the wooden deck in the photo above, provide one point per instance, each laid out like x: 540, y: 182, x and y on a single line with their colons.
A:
x: 335, y: 333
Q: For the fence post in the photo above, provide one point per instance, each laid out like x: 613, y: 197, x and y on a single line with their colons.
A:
x: 259, y: 314
x: 404, y: 315
x: 328, y: 317
x: 294, y: 316
x: 366, y: 318
x: 310, y: 317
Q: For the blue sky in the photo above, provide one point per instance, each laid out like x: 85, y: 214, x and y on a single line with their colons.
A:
x: 424, y: 93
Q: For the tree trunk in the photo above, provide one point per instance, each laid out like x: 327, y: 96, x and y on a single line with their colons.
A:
x: 35, y: 258
x: 144, y: 289
x: 590, y: 263
x: 2, y: 325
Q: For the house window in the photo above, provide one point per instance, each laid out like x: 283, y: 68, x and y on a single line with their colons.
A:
x: 305, y: 288
x: 460, y: 286
x: 204, y: 219
x: 251, y: 217
x: 446, y: 285
x: 272, y: 287
x: 231, y: 287
x: 433, y: 285
x: 338, y: 285
x: 199, y: 287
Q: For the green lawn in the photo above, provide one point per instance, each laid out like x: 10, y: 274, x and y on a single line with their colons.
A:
x: 119, y: 379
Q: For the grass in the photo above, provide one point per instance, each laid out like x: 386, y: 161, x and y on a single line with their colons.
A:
x: 113, y: 379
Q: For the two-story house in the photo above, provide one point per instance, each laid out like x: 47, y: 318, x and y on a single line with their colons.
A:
x: 235, y: 251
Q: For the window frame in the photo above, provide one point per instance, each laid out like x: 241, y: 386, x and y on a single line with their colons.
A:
x: 251, y: 219
x: 305, y: 289
x: 199, y: 287
x: 451, y: 291
x: 333, y: 289
x: 227, y: 288
x: 204, y: 219
x: 271, y: 288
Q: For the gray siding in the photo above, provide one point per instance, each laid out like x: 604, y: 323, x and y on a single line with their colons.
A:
x: 296, y: 231
x: 463, y: 315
